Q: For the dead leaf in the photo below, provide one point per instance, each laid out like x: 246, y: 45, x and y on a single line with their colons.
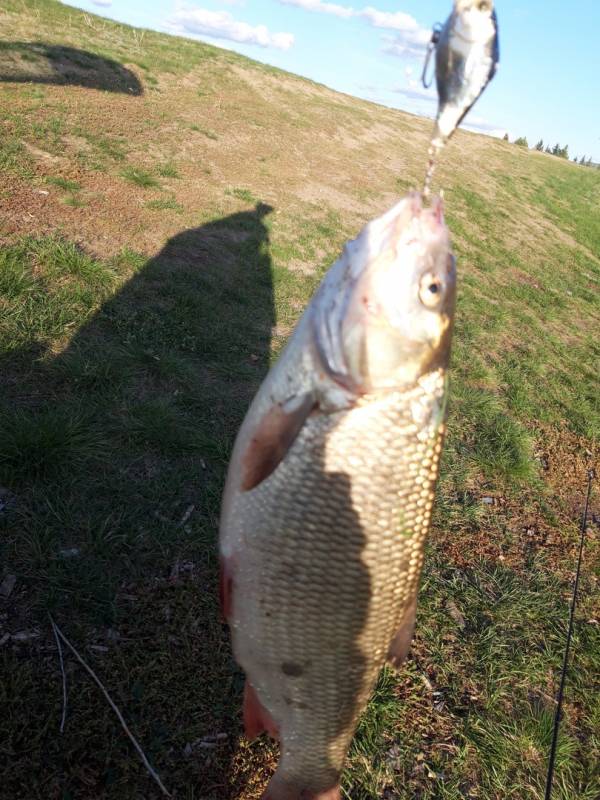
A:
x: 7, y: 585
x: 456, y: 614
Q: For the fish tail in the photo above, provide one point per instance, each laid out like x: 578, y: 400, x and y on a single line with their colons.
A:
x: 280, y: 789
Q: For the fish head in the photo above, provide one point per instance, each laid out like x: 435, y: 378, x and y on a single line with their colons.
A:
x: 396, y: 320
x: 474, y: 19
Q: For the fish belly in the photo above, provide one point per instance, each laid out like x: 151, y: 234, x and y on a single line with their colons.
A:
x: 325, y: 557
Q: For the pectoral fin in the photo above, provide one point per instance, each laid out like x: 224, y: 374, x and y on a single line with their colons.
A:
x: 400, y: 644
x: 256, y: 717
x: 274, y: 436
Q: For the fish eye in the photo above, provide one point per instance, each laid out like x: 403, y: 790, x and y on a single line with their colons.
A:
x: 484, y: 5
x: 431, y: 290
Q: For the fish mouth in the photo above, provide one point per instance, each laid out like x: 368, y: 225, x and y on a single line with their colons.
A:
x: 431, y: 217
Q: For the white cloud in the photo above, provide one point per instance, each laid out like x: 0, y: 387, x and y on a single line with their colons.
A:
x: 370, y: 92
x: 481, y: 125
x: 474, y: 123
x: 323, y: 8
x: 102, y: 3
x: 222, y: 25
x: 411, y: 38
x: 413, y: 93
x: 394, y: 21
x: 408, y: 43
x: 481, y: 122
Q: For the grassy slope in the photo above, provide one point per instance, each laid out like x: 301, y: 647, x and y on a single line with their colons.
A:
x: 166, y: 211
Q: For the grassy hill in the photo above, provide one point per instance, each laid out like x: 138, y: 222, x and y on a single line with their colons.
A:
x: 166, y: 210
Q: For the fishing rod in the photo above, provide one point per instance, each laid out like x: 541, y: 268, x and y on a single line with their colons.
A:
x: 559, y: 699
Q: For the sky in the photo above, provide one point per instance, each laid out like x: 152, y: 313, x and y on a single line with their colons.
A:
x: 546, y: 86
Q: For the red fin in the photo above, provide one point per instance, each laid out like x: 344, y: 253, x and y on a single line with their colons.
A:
x: 400, y: 644
x: 329, y: 794
x: 273, y: 438
x: 278, y: 790
x: 256, y: 717
x: 225, y: 587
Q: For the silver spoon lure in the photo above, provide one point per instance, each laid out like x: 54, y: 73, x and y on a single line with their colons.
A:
x: 466, y: 57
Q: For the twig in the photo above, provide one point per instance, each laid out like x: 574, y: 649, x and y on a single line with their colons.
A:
x: 186, y: 516
x: 64, y: 676
x: 114, y: 708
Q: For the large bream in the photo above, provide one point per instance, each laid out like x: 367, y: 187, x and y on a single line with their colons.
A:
x: 330, y: 490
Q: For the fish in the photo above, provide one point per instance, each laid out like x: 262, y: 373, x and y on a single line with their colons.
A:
x: 467, y: 53
x: 329, y: 494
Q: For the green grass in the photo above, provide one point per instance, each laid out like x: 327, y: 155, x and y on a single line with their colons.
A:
x: 165, y: 204
x: 74, y: 201
x: 208, y: 133
x: 140, y: 177
x: 49, y: 131
x: 106, y: 147
x: 168, y: 170
x: 48, y: 286
x: 130, y: 346
x: 63, y: 183
x: 40, y: 444
x: 482, y: 699
x: 13, y: 157
x: 242, y: 194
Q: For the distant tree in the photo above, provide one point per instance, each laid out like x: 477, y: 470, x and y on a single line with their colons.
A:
x: 589, y: 162
x: 540, y: 145
x: 547, y: 150
x: 556, y: 149
x: 582, y: 160
x: 575, y: 160
x: 564, y: 152
x: 505, y: 137
x: 521, y: 141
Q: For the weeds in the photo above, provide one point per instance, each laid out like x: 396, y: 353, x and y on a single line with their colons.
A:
x: 40, y: 444
x: 165, y: 204
x: 168, y: 170
x: 208, y: 133
x: 140, y: 177
x: 242, y: 194
x: 63, y: 183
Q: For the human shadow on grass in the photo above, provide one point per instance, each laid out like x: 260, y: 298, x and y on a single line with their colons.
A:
x: 145, y: 402
x: 36, y: 62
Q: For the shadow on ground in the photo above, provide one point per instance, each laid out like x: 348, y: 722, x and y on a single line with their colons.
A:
x: 35, y: 62
x: 118, y: 540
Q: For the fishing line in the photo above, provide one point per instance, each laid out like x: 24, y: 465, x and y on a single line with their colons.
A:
x: 559, y: 699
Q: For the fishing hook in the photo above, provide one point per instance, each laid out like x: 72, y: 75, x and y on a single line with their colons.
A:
x: 433, y: 43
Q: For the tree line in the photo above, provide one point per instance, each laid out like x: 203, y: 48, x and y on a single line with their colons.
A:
x: 557, y: 150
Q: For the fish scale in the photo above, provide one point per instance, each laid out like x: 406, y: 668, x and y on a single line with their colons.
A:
x: 346, y: 536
